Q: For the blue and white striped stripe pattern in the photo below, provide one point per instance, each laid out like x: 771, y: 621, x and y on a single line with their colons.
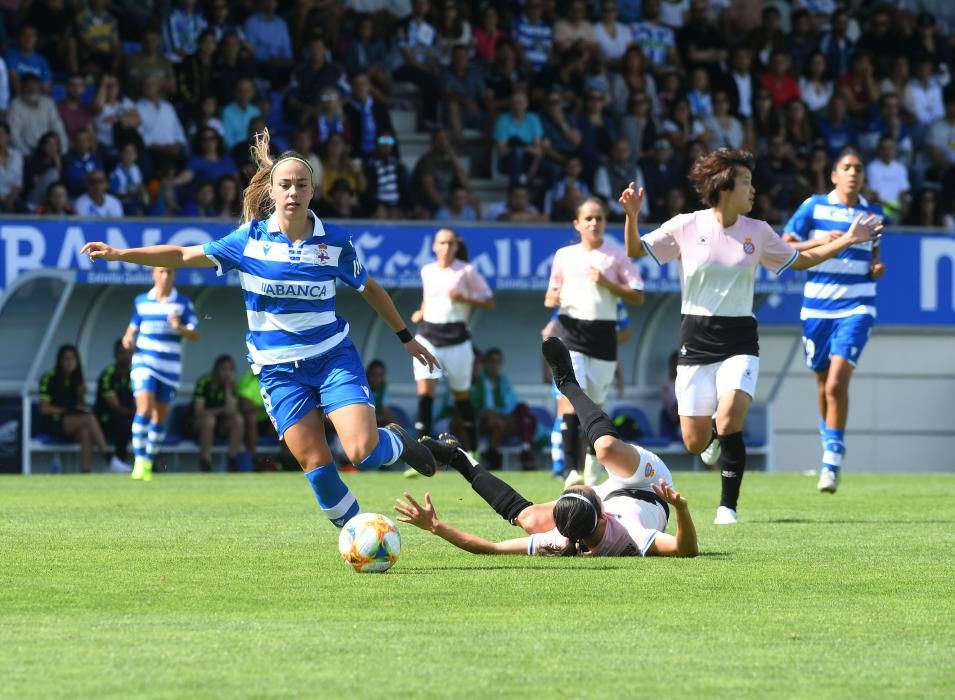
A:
x: 843, y: 285
x: 158, y: 347
x: 535, y: 40
x: 289, y: 288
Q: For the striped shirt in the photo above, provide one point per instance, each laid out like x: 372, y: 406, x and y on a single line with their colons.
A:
x: 158, y: 347
x: 656, y: 40
x: 289, y: 288
x: 841, y: 286
x: 535, y: 40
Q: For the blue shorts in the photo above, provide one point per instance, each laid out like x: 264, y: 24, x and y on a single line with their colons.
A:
x: 330, y: 381
x: 824, y: 337
x: 163, y: 392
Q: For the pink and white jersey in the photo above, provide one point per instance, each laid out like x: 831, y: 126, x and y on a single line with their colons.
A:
x: 718, y: 265
x: 437, y: 284
x: 582, y: 298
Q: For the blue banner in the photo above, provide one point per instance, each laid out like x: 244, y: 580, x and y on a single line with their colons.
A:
x: 918, y: 287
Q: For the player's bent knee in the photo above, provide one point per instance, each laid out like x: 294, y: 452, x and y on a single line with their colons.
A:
x: 359, y: 447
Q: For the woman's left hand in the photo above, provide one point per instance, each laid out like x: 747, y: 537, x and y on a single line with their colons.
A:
x: 878, y: 269
x: 421, y: 354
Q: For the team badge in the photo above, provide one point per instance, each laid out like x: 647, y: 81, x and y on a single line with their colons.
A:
x: 748, y: 246
x: 648, y: 471
x: 323, y: 253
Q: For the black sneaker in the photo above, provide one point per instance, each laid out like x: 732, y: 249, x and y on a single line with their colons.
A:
x: 414, y: 454
x: 558, y: 359
x: 446, y: 449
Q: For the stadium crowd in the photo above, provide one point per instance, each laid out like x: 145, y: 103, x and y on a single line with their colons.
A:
x: 146, y: 108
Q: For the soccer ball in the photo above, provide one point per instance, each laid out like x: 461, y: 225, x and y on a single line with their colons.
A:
x: 370, y: 543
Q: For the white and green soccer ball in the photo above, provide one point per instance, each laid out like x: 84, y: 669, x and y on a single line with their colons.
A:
x: 370, y: 543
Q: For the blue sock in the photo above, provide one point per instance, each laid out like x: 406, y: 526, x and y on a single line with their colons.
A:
x: 336, y: 500
x: 834, y: 449
x: 557, y: 446
x: 140, y: 429
x: 386, y: 451
x: 154, y: 439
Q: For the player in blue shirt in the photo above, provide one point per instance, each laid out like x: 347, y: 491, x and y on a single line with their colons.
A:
x: 289, y: 262
x: 838, y: 309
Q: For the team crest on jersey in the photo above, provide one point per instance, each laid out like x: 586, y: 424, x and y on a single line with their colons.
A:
x: 323, y: 253
x: 648, y: 470
x: 748, y: 246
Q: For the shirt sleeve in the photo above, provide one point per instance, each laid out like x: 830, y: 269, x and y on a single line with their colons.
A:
x: 189, y: 317
x: 350, y: 269
x: 227, y: 252
x: 556, y: 272
x: 628, y: 272
x: 477, y: 286
x: 777, y: 255
x: 800, y: 223
x: 548, y: 543
x: 106, y: 385
x: 663, y: 245
x: 136, y: 319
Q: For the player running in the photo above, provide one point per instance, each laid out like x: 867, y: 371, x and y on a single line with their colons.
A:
x: 288, y: 262
x: 838, y: 310
x: 719, y: 249
x: 625, y: 516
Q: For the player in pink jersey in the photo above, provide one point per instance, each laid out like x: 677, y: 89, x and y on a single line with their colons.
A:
x: 718, y: 251
x: 625, y: 516
x: 586, y: 280
x: 450, y: 289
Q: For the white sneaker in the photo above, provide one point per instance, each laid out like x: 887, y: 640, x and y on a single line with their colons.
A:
x: 828, y: 481
x: 725, y: 516
x: 712, y: 453
x: 118, y: 466
x: 573, y: 479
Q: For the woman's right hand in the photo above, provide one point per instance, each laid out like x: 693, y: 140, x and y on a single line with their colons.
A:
x: 100, y: 251
x: 631, y: 199
x: 417, y: 315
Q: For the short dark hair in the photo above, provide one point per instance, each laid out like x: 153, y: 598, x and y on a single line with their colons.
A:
x: 375, y: 364
x: 716, y: 172
x: 844, y: 152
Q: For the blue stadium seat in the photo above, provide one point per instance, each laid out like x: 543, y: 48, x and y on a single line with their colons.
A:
x: 175, y: 424
x: 131, y: 48
x: 648, y: 437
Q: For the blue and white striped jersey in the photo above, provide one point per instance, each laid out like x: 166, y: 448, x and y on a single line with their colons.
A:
x: 842, y: 286
x: 289, y: 288
x: 535, y: 40
x: 158, y: 347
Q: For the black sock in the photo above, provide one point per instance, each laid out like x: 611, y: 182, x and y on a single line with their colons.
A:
x: 498, y: 494
x: 594, y: 421
x: 732, y: 464
x: 466, y: 411
x: 570, y: 432
x: 423, y: 424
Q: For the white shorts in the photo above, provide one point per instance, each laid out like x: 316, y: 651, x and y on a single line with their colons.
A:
x: 699, y: 387
x: 648, y: 469
x: 594, y: 376
x: 457, y: 363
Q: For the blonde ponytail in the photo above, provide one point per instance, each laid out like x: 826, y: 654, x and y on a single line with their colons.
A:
x: 256, y: 202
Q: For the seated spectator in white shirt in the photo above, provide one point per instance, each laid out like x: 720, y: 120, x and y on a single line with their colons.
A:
x: 888, y: 180
x: 923, y: 94
x: 31, y: 115
x: 941, y: 137
x: 161, y: 129
x: 97, y: 202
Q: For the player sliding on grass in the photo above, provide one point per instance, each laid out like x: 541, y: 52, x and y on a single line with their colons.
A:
x: 625, y: 516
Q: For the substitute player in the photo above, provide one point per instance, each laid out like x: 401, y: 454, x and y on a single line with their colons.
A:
x: 288, y: 263
x: 719, y: 249
x: 162, y: 317
x: 838, y: 310
x: 450, y: 288
x: 586, y: 280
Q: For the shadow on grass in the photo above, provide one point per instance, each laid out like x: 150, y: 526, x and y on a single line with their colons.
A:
x: 832, y: 521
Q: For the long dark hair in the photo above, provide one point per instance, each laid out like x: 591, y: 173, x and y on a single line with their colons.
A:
x: 577, y: 514
x: 76, y: 376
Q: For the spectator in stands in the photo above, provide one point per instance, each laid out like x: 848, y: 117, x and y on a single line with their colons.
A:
x: 923, y: 94
x: 656, y: 39
x: 888, y: 180
x: 722, y: 128
x: 925, y: 211
x: 162, y: 191
x: 800, y: 132
x: 387, y: 195
x: 42, y: 168
x: 610, y: 35
x: 701, y: 42
x: 568, y: 192
x: 269, y: 36
x: 338, y: 202
x: 516, y: 207
x: 941, y: 138
x: 488, y: 36
x: 367, y: 53
x: 777, y: 175
x: 419, y: 62
x: 505, y: 74
x: 597, y: 74
x: 836, y: 45
x: 64, y: 414
x: 436, y: 173
x: 766, y: 120
x: 575, y: 28
x: 699, y: 95
x: 221, y: 22
x: 926, y: 42
x: 376, y: 372
x: 312, y: 77
x: 96, y: 201
x: 454, y: 30
x: 228, y: 197
x: 534, y: 36
x: 670, y: 88
x: 115, y: 117
x: 767, y: 37
x: 675, y: 204
x: 616, y: 175
x: 836, y: 129
x: 24, y: 60
x: 209, y: 161
x: 207, y: 115
x: 216, y: 413
x: 4, y: 89
x: 681, y: 127
x: 897, y: 80
x: 633, y: 78
x: 501, y: 414
x: 126, y: 181
x: 242, y: 155
x: 182, y: 30
x: 56, y: 201
x: 596, y: 129
x: 160, y: 129
x: 98, y: 33
x: 517, y: 137
x: 80, y: 161
x: 53, y: 23
x: 330, y: 119
x: 466, y: 98
x: 637, y: 125
x: 73, y: 113
x: 860, y: 86
x: 779, y: 80
x: 662, y: 171
x: 458, y: 207
x: 741, y: 83
x: 31, y: 115
x: 232, y: 64
x: 880, y: 40
x: 150, y: 62
x: 303, y: 142
x: 11, y: 172
x: 801, y: 41
x: 337, y: 165
x: 818, y: 170
x: 195, y: 74
x: 115, y: 405
x: 562, y: 139
x: 815, y: 87
x: 366, y: 115
x: 237, y: 115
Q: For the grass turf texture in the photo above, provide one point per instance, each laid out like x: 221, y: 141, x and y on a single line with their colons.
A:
x: 231, y: 586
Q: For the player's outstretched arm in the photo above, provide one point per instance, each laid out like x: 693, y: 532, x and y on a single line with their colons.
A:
x: 424, y: 518
x: 378, y: 299
x: 631, y: 200
x: 864, y: 228
x: 152, y: 256
x: 684, y: 543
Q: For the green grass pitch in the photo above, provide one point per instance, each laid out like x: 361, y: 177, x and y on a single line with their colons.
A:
x: 231, y: 586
